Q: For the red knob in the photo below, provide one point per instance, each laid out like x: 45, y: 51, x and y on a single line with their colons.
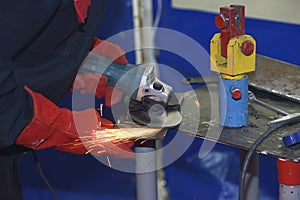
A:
x: 247, y: 47
x: 221, y: 22
x: 236, y: 94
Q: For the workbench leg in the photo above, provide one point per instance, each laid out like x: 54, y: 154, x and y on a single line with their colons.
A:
x: 289, y: 179
x: 252, y: 177
x: 146, y: 176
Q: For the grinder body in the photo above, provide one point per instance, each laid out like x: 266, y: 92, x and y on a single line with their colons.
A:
x: 149, y: 97
x: 134, y: 80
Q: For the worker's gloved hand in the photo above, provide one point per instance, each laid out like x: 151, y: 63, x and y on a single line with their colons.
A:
x: 110, y: 50
x: 63, y: 129
x: 88, y: 83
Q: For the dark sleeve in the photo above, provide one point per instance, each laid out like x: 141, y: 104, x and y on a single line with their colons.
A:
x: 20, y: 22
x: 28, y: 56
x: 16, y: 108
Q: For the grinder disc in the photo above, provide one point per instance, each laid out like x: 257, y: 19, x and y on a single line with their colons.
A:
x: 155, y: 114
x: 168, y: 119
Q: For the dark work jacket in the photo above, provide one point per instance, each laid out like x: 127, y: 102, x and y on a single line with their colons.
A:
x: 42, y: 46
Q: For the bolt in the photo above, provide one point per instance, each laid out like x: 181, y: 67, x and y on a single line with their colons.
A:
x: 221, y: 22
x: 247, y: 47
x: 236, y: 94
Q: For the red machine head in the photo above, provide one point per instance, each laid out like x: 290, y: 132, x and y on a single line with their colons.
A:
x: 231, y: 23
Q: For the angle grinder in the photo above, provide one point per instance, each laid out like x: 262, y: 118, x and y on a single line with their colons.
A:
x: 152, y: 103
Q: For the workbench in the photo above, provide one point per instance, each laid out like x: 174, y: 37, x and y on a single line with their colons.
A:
x: 271, y: 85
x: 275, y: 83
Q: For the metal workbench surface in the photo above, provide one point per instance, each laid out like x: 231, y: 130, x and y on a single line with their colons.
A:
x: 279, y: 88
x: 278, y: 77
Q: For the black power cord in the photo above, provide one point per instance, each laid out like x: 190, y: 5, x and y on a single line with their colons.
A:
x: 38, y: 165
x: 252, y: 151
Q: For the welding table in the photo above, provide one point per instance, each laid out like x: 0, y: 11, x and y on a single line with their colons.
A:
x: 274, y: 82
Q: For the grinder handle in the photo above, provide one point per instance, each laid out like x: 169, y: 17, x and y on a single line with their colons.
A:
x: 126, y: 78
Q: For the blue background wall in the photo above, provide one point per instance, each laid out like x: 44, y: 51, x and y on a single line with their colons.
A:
x: 83, y: 177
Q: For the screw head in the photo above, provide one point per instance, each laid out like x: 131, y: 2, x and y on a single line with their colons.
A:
x: 247, y: 48
x: 236, y: 94
x: 221, y: 22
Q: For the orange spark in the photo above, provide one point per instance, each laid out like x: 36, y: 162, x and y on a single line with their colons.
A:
x: 197, y: 103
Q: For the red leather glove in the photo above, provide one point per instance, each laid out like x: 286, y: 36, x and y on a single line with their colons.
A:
x: 59, y: 128
x: 89, y: 83
x: 110, y: 50
x: 81, y: 7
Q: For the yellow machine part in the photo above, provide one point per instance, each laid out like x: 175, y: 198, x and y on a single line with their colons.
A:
x: 236, y: 62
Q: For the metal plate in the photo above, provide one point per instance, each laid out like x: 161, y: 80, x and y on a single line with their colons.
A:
x: 274, y: 82
x: 278, y: 77
x: 243, y: 137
